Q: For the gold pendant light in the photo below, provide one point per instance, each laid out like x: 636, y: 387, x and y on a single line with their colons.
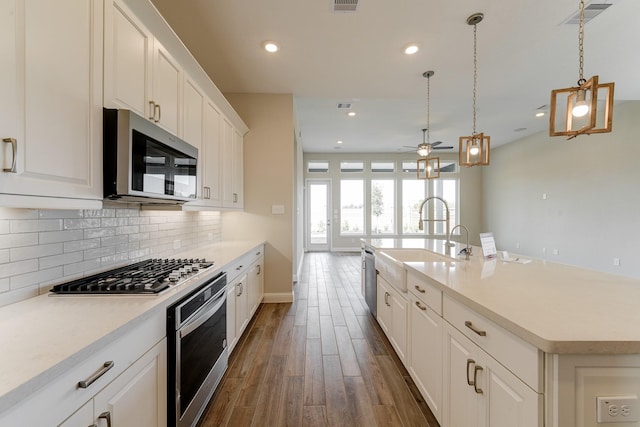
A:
x: 474, y: 149
x: 574, y: 110
x: 427, y: 167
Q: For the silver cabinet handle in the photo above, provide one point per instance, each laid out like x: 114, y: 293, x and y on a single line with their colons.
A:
x: 207, y: 192
x: 259, y: 269
x: 235, y: 197
x: 100, y: 372
x: 152, y: 110
x: 469, y: 325
x: 14, y: 151
x: 469, y: 362
x: 386, y: 298
x: 420, y: 306
x: 159, y: 113
x: 238, y: 293
x: 238, y: 268
x: 106, y: 416
x: 475, y: 379
x: 419, y: 289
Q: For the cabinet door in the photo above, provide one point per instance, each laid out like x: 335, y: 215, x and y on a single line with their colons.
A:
x: 56, y: 97
x: 227, y: 164
x: 232, y: 338
x: 425, y: 354
x: 128, y: 53
x: 384, y: 305
x: 138, y: 397
x: 242, y: 309
x: 211, y: 157
x: 399, y: 313
x: 167, y: 89
x: 461, y: 403
x: 83, y: 417
x: 256, y: 286
x: 8, y: 79
x: 238, y: 170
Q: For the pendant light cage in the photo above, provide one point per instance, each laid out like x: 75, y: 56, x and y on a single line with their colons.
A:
x: 474, y: 149
x: 586, y: 108
x: 427, y: 167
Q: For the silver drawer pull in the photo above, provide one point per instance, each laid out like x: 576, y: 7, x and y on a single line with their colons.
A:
x: 152, y: 110
x: 14, y: 151
x: 106, y: 416
x: 475, y: 379
x: 469, y: 362
x: 238, y: 268
x: 420, y: 306
x: 100, y: 372
x: 419, y: 289
x: 469, y: 325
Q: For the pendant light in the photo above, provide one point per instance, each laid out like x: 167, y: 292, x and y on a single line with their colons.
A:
x: 474, y: 149
x: 574, y: 110
x: 427, y: 167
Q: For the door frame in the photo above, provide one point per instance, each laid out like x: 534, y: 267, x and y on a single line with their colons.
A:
x: 309, y: 247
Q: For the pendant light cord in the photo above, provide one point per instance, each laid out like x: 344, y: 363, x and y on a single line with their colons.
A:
x: 581, y: 80
x: 428, y: 105
x: 475, y: 75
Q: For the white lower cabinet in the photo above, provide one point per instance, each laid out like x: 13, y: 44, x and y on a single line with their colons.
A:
x: 232, y: 337
x: 255, y: 284
x: 480, y: 392
x: 242, y: 309
x: 392, y: 316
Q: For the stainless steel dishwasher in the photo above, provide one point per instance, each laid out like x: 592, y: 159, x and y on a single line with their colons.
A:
x: 370, y: 284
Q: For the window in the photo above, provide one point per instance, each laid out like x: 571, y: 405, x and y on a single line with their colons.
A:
x: 352, y: 166
x: 383, y: 167
x: 383, y: 206
x: 318, y: 166
x: 352, y: 206
x: 410, y: 166
x: 448, y: 190
x: 413, y: 193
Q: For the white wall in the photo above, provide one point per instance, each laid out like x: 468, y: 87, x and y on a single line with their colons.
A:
x: 591, y: 213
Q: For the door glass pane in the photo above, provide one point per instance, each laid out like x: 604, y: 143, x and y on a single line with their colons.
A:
x: 382, y: 206
x: 318, y: 214
x: 448, y: 190
x: 352, y: 206
x: 413, y: 193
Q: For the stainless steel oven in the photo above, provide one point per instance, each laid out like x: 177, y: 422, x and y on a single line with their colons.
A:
x: 198, y: 356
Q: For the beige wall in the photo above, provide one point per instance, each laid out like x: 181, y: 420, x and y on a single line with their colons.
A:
x: 268, y: 180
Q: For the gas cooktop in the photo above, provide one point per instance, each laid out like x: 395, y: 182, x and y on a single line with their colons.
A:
x: 143, y: 278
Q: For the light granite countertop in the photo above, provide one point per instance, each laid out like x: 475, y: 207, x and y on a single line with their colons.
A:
x: 557, y: 308
x: 43, y: 337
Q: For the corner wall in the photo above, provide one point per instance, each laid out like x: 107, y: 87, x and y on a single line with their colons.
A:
x: 591, y: 210
x: 269, y: 160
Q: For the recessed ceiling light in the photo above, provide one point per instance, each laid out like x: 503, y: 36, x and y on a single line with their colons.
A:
x: 338, y: 142
x: 351, y: 113
x: 519, y: 129
x: 270, y: 47
x: 410, y: 49
x: 540, y: 114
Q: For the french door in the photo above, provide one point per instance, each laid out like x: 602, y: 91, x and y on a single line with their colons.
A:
x: 318, y: 217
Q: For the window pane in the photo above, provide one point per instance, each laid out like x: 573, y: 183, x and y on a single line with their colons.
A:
x: 382, y: 206
x: 351, y: 166
x: 318, y: 166
x: 410, y: 166
x: 383, y: 166
x: 448, y: 167
x: 352, y: 206
x: 318, y: 214
x: 413, y: 193
x: 448, y: 190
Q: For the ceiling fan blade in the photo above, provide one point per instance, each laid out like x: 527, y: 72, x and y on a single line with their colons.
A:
x: 433, y: 144
x: 446, y: 147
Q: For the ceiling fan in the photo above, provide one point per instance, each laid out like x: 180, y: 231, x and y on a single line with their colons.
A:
x: 424, y: 148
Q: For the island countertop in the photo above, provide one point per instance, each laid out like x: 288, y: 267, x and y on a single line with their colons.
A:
x: 557, y: 308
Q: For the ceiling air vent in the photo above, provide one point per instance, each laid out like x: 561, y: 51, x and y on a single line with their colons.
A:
x: 346, y: 105
x: 345, y: 5
x: 590, y: 12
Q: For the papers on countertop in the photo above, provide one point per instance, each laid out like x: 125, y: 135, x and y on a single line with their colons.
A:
x: 516, y: 260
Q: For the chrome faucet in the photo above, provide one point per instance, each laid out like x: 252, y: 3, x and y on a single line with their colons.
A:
x: 446, y: 220
x: 467, y: 250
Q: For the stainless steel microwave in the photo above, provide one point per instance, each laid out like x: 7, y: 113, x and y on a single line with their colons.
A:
x: 143, y: 163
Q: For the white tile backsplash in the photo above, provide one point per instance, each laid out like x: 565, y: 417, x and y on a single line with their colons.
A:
x: 39, y: 248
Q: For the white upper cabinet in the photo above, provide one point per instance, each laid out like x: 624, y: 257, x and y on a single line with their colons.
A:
x: 51, y: 103
x: 140, y: 74
x: 232, y: 167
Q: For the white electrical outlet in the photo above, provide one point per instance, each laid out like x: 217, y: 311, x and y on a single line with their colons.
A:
x: 617, y: 409
x: 556, y: 252
x: 616, y: 262
x: 517, y: 245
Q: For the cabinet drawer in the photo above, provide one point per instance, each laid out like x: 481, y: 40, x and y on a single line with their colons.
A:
x: 62, y: 396
x: 240, y: 264
x: 429, y: 294
x: 520, y: 357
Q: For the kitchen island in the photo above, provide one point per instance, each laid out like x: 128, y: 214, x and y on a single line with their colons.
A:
x: 569, y: 334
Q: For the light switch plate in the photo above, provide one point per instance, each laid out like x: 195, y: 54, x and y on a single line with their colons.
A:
x: 617, y: 409
x: 277, y: 209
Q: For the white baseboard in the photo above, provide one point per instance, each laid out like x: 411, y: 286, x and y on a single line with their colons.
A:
x: 276, y: 297
x: 299, y: 270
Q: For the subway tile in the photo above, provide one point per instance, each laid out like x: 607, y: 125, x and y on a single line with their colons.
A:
x: 30, y: 252
x: 17, y: 240
x: 138, y: 220
x: 99, y: 213
x: 94, y: 233
x: 4, y: 256
x: 157, y: 219
x: 5, y: 285
x: 57, y: 260
x: 60, y: 236
x: 81, y: 245
x: 114, y: 240
x: 36, y: 277
x: 11, y: 213
x: 127, y: 247
x: 81, y: 267
x: 19, y: 267
x: 5, y: 226
x: 18, y: 295
x: 127, y: 212
x: 140, y: 253
x: 99, y: 252
x: 114, y: 259
x: 128, y: 229
x: 30, y: 225
x: 113, y: 222
x: 76, y: 224
x: 138, y: 237
x: 59, y: 214
x: 148, y: 228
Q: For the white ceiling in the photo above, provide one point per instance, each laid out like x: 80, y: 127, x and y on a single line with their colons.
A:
x: 524, y: 51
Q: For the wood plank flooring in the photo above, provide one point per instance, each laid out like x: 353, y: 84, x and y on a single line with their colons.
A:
x: 320, y: 361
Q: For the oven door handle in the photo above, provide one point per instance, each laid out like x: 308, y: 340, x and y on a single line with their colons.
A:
x: 201, y: 318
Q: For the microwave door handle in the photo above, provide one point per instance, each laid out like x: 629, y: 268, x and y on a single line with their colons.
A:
x: 199, y: 320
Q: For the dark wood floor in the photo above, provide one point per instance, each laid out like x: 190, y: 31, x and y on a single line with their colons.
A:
x: 321, y: 361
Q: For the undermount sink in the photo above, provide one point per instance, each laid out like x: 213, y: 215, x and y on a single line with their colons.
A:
x: 390, y: 263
